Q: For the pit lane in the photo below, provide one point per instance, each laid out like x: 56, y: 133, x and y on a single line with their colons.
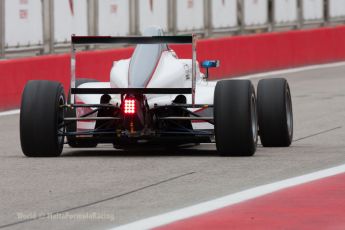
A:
x: 124, y: 186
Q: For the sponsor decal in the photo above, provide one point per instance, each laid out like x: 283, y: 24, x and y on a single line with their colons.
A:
x: 190, y: 4
x: 23, y: 14
x: 151, y: 5
x: 71, y: 6
x: 113, y: 8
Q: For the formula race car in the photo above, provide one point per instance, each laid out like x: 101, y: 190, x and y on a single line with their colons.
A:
x: 154, y: 99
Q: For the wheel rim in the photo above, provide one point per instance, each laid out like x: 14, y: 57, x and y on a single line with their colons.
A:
x: 288, y: 108
x: 60, y: 120
x: 254, y: 119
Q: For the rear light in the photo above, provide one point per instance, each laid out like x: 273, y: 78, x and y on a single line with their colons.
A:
x: 129, y: 107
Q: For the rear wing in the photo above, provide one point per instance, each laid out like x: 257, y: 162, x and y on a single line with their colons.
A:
x: 83, y: 40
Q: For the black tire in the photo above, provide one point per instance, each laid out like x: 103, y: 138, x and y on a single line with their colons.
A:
x: 275, y: 113
x: 235, y: 118
x: 40, y: 116
x: 72, y: 141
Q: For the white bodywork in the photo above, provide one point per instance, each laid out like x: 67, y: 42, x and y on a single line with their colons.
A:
x: 169, y: 72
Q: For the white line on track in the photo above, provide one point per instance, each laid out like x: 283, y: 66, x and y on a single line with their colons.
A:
x: 251, y: 76
x: 9, y: 112
x: 208, y: 206
x: 293, y: 70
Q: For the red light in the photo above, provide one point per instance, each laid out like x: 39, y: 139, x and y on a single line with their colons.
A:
x: 129, y: 107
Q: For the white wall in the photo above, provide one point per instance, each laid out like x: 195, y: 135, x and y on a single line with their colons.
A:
x: 255, y: 12
x: 154, y: 12
x: 224, y: 13
x: 336, y: 8
x: 190, y: 15
x: 285, y: 11
x: 312, y: 9
x: 69, y: 19
x: 23, y: 22
x: 113, y: 17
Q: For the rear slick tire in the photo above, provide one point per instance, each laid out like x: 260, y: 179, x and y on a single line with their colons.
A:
x: 275, y: 113
x: 235, y: 118
x: 41, y: 119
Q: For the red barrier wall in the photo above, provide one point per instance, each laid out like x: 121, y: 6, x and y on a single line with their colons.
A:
x: 238, y: 55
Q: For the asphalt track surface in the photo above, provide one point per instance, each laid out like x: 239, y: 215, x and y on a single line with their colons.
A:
x: 117, y: 187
